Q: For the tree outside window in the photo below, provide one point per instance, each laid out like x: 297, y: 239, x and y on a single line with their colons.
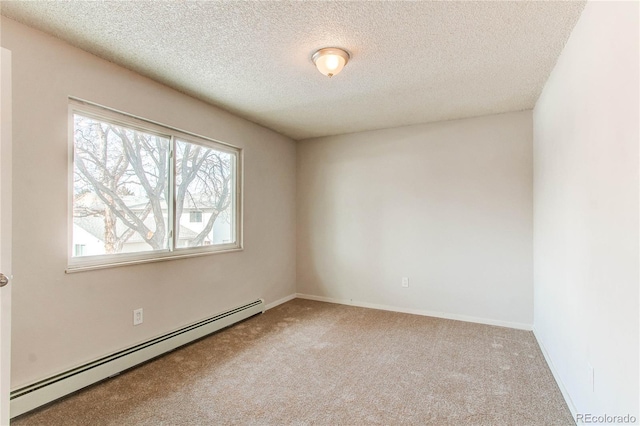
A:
x: 132, y: 186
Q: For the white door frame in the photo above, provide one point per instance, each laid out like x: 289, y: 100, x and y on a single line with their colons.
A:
x: 5, y: 233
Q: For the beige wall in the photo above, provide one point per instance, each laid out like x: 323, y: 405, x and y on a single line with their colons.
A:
x: 448, y: 205
x: 61, y: 320
x: 586, y: 212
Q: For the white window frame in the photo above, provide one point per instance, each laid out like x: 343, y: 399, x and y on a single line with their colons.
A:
x: 89, y: 109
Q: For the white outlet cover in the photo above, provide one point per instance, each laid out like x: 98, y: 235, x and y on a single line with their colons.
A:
x: 138, y: 316
x: 405, y: 282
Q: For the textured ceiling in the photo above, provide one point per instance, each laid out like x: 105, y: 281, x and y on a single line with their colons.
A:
x: 412, y: 62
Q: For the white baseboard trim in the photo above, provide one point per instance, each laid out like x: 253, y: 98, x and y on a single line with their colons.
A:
x: 280, y: 301
x: 486, y: 321
x: 556, y: 376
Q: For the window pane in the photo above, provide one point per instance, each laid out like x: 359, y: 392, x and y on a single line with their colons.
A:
x: 195, y: 216
x: 120, y: 189
x: 205, y: 182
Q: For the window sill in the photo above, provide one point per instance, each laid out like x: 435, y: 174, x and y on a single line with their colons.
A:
x: 81, y: 266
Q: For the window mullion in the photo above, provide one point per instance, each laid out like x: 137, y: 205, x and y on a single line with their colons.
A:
x: 171, y: 202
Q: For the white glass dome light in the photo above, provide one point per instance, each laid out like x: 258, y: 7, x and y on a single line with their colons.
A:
x: 330, y: 60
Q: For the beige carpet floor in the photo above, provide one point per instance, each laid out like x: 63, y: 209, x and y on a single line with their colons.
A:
x: 314, y: 363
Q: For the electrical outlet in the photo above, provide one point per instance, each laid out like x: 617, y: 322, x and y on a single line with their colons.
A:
x: 405, y: 282
x: 137, y: 317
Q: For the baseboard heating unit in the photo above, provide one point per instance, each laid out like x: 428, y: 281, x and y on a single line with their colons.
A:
x: 37, y: 394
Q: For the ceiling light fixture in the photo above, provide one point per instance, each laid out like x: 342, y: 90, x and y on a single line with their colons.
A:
x: 330, y: 60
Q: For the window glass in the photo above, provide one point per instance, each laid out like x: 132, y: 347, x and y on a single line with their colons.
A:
x: 120, y: 190
x: 143, y: 192
x: 195, y: 217
x: 204, y: 187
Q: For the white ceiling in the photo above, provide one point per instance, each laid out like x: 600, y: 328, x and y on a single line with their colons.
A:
x: 412, y: 62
